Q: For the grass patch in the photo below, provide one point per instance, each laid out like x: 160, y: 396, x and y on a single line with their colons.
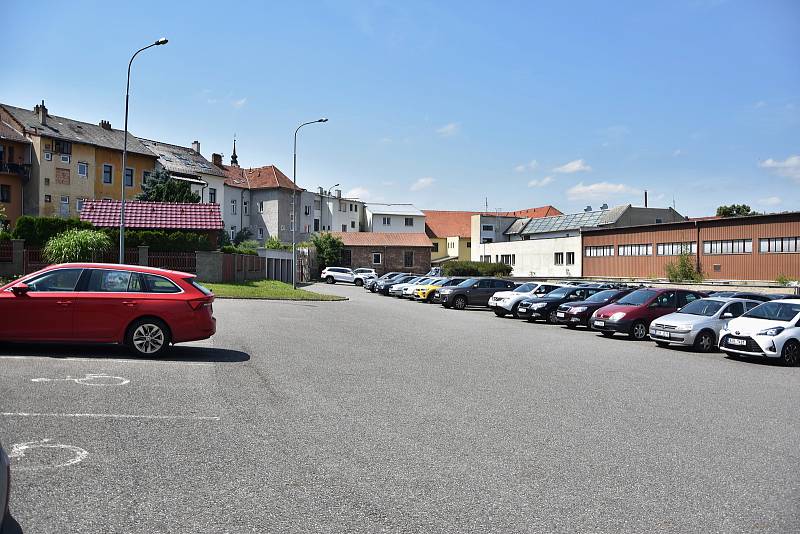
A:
x: 266, y: 289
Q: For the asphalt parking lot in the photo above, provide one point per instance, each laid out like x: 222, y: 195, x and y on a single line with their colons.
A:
x: 374, y: 415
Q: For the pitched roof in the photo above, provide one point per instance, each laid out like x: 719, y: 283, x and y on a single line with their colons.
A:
x: 571, y: 221
x: 76, y: 131
x: 181, y: 159
x: 267, y: 177
x: 8, y: 131
x: 459, y: 223
x: 533, y: 213
x: 147, y: 215
x: 383, y: 239
x: 393, y: 209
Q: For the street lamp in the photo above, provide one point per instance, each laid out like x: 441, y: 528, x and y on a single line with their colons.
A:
x: 331, y: 188
x: 160, y: 42
x: 294, y: 195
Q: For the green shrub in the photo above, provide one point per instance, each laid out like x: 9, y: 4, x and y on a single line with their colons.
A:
x: 329, y: 249
x: 684, y: 270
x: 274, y: 244
x: 5, y: 236
x: 37, y: 231
x: 250, y: 244
x: 475, y: 268
x: 784, y: 280
x: 162, y: 240
x: 233, y: 249
x: 77, y: 245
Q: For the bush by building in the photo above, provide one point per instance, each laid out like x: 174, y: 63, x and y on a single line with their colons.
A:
x: 77, y: 245
x: 683, y: 270
x: 475, y: 268
x: 37, y: 231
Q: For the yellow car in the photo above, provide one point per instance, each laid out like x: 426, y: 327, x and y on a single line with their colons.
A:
x: 425, y: 293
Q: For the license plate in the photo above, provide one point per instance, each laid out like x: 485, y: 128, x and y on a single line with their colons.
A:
x: 737, y: 341
x: 599, y: 323
x: 661, y: 333
x: 561, y: 314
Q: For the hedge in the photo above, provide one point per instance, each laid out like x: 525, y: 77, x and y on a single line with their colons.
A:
x: 233, y: 249
x: 475, y: 268
x: 162, y: 241
x: 37, y: 231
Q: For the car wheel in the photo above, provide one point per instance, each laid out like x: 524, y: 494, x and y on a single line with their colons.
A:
x: 500, y: 312
x: 515, y: 311
x: 552, y: 317
x: 148, y: 337
x: 607, y: 334
x: 359, y: 282
x: 460, y: 303
x: 571, y: 326
x: 791, y: 354
x: 706, y: 341
x: 638, y: 331
x: 429, y: 298
x: 330, y: 280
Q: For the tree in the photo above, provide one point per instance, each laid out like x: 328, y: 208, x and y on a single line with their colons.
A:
x: 77, y: 245
x: 162, y: 187
x: 329, y: 249
x: 735, y: 210
x: 242, y: 235
x: 684, y: 270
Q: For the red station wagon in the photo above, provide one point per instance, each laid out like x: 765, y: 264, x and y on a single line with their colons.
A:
x: 145, y: 308
x: 633, y: 313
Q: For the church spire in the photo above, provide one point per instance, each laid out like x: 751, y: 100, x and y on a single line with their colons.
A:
x: 234, y: 158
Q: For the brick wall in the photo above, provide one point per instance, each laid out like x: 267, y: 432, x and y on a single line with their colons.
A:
x: 393, y: 258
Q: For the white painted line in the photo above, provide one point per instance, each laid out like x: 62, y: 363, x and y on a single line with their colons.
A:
x: 89, y: 380
x: 18, y: 451
x: 111, y: 416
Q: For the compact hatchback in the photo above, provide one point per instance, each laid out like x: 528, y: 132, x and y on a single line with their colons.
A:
x: 771, y: 330
x: 145, y: 308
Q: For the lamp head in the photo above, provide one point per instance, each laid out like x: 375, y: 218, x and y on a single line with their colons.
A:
x: 162, y: 41
x: 323, y: 119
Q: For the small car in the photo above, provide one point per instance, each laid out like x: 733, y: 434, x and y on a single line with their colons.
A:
x: 770, y: 330
x: 383, y: 286
x: 331, y: 275
x: 574, y: 314
x: 698, y: 323
x: 5, y: 485
x: 397, y: 289
x: 145, y: 308
x: 411, y: 290
x: 505, y: 302
x: 545, y: 308
x: 633, y: 313
x: 362, y: 274
x: 430, y: 293
x: 369, y: 283
x: 741, y: 295
x: 473, y: 292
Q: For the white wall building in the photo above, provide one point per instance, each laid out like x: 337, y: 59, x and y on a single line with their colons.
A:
x: 393, y: 218
x: 335, y: 213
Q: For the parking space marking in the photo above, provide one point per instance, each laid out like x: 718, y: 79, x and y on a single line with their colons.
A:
x: 89, y: 380
x: 104, y: 360
x: 113, y: 416
x: 18, y: 451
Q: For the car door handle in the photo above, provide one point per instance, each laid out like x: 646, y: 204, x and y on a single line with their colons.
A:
x: 64, y: 302
x: 129, y: 303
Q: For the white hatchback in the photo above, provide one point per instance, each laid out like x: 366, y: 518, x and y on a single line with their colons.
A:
x: 770, y: 330
x: 505, y: 302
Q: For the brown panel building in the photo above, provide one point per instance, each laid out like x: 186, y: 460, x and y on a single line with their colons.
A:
x: 761, y: 247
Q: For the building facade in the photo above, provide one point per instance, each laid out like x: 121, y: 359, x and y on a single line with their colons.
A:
x: 15, y: 168
x: 393, y: 218
x: 386, y: 251
x: 188, y: 165
x: 333, y: 212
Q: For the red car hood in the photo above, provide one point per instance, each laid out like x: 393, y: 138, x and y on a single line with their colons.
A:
x: 607, y: 311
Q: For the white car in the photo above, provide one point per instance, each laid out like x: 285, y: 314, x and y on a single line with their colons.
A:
x: 505, y: 302
x: 770, y: 330
x: 331, y: 275
x: 361, y: 275
x: 397, y: 289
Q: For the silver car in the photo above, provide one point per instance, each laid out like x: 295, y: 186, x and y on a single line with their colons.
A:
x: 698, y: 323
x: 5, y: 482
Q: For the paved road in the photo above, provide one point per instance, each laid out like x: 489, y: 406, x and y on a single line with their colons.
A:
x: 374, y: 415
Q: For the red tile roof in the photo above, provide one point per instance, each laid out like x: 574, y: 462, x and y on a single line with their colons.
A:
x: 267, y: 177
x: 153, y: 215
x: 458, y: 223
x: 383, y: 239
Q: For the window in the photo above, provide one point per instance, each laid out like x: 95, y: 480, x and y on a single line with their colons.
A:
x: 79, y: 204
x: 146, y: 176
x: 779, y: 245
x: 735, y: 309
x: 665, y: 300
x: 60, y: 280
x: 5, y: 193
x: 305, y: 228
x: 377, y: 258
x: 159, y: 284
x: 64, y: 199
x: 351, y: 207
x: 352, y: 224
x: 356, y: 208
x: 128, y: 177
x: 635, y: 250
x: 316, y: 225
x: 685, y: 298
x: 317, y: 205
x: 409, y: 221
x: 245, y: 207
x: 387, y: 221
x: 347, y: 257
x: 108, y: 173
x: 101, y: 281
x: 604, y: 250
x: 486, y: 259
x: 307, y: 210
x: 261, y: 232
x: 344, y: 228
x: 435, y: 247
x: 212, y: 195
x: 570, y: 258
x: 735, y: 246
x: 65, y: 158
x: 508, y: 259
x: 48, y: 156
x: 233, y: 232
x: 83, y: 169
x: 558, y: 258
x: 233, y: 207
x: 408, y: 258
x: 47, y: 181
x: 676, y: 249
x: 48, y: 198
x: 487, y: 228
x: 62, y: 147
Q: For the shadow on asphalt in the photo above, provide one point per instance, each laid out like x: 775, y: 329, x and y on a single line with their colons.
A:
x: 10, y: 526
x: 178, y: 353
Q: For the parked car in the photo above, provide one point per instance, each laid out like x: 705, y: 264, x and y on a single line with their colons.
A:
x: 370, y: 283
x: 5, y: 485
x: 741, y: 295
x: 784, y: 296
x: 770, y: 330
x: 410, y: 290
x: 473, y: 292
x: 430, y: 293
x: 145, y: 308
x: 633, y: 313
x: 331, y: 275
x: 396, y: 290
x: 383, y: 286
x: 574, y: 314
x: 698, y: 323
x: 362, y: 274
x: 546, y: 307
x: 505, y: 302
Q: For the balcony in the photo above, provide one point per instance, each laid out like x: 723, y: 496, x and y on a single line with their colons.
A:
x: 22, y: 171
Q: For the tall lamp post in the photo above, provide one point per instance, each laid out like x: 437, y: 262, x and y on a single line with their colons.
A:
x: 294, y: 196
x: 331, y: 188
x: 160, y: 42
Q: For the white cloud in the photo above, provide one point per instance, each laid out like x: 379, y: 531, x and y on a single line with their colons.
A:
x: 760, y: 104
x: 770, y: 201
x: 577, y: 165
x: 599, y: 190
x: 531, y: 166
x: 238, y: 104
x: 361, y: 193
x: 788, y: 168
x: 541, y: 183
x: 449, y: 130
x: 422, y: 183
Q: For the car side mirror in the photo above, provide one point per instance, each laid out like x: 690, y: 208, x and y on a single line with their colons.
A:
x: 727, y: 315
x: 20, y: 289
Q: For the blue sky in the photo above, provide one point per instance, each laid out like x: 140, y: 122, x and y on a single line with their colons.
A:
x: 444, y: 104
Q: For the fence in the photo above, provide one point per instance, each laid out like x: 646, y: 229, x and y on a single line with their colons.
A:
x: 176, y: 261
x: 218, y: 267
x: 6, y: 251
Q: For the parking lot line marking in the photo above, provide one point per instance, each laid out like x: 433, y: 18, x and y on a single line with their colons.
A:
x: 112, y: 416
x: 103, y: 360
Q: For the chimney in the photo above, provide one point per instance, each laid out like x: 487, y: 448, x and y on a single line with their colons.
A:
x: 645, y: 198
x: 321, y: 191
x: 604, y: 207
x: 216, y: 159
x: 196, y: 146
x: 587, y: 209
x: 41, y: 110
x: 338, y: 193
x: 105, y: 125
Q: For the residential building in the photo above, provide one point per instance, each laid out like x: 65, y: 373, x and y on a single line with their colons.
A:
x: 188, y: 165
x: 551, y: 246
x: 395, y: 218
x: 72, y: 161
x: 386, y: 251
x: 761, y: 247
x: 332, y: 212
x: 15, y: 167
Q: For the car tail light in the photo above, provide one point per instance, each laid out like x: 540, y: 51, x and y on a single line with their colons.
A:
x: 198, y: 304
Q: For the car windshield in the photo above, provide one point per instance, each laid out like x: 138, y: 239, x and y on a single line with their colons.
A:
x: 638, y: 297
x: 704, y: 307
x: 469, y: 282
x: 774, y: 311
x: 603, y: 296
x: 560, y: 293
x: 525, y: 288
